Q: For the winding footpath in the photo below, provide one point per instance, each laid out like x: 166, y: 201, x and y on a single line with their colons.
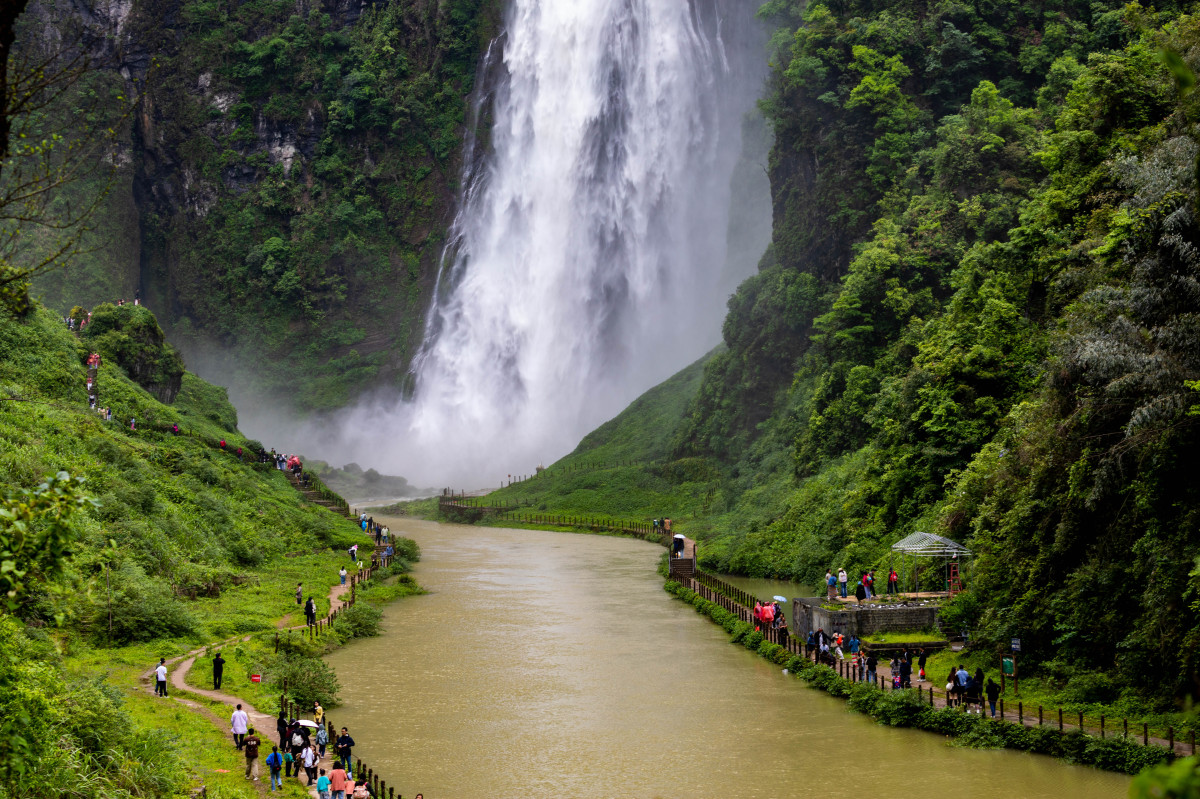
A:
x: 261, y: 722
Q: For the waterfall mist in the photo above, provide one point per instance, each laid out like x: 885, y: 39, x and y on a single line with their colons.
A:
x: 590, y: 255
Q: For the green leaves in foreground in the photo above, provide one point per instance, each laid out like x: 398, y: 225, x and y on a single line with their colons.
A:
x: 35, y: 536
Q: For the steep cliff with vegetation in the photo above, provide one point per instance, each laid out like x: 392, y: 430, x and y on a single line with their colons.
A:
x: 283, y: 182
x: 977, y: 318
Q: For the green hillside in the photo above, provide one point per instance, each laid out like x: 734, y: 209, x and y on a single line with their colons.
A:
x: 156, y: 543
x: 616, y: 469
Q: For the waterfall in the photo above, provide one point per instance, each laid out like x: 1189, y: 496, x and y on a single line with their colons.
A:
x: 588, y: 259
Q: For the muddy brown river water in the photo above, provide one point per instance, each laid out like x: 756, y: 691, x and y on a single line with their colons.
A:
x: 554, y: 665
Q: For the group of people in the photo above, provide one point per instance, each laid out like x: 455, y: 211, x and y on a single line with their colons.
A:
x: 768, y: 616
x: 838, y: 585
x: 967, y: 690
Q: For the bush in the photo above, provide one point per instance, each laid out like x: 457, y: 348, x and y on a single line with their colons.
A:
x: 1180, y: 780
x: 308, y: 679
x: 142, y: 608
x: 358, y: 621
x: 1089, y: 688
x: 900, y: 708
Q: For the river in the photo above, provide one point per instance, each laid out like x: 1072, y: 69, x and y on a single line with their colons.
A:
x: 554, y: 665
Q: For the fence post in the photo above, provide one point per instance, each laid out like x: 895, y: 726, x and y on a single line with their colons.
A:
x: 1171, y: 742
x: 1081, y: 721
x: 1039, y: 715
x: 1125, y: 725
x: 1001, y: 705
x: 1020, y: 712
x: 1145, y: 734
x: 1060, y: 724
x: 1102, y: 727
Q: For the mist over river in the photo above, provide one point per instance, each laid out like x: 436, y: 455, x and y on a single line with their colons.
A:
x: 554, y: 665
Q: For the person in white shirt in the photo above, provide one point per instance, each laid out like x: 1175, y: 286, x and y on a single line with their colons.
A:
x: 308, y: 757
x: 239, y: 722
x: 160, y: 678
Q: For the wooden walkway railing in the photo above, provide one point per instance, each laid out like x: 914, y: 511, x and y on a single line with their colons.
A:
x: 737, y: 601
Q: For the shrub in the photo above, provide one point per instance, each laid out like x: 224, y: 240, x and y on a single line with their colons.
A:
x: 899, y: 708
x: 358, y: 621
x: 864, y: 697
x: 307, y: 679
x: 142, y: 609
x: 752, y: 640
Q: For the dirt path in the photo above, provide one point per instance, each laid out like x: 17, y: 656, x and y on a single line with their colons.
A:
x: 263, y: 723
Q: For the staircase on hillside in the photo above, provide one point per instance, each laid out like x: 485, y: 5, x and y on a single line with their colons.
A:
x: 316, y: 497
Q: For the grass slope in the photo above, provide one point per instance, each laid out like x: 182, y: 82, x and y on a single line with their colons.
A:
x: 620, y: 470
x: 189, y: 544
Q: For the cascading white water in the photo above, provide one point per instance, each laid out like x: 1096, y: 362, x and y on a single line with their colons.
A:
x: 589, y: 251
x: 588, y: 260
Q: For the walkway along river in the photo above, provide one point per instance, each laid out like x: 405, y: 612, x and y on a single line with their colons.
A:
x: 554, y: 665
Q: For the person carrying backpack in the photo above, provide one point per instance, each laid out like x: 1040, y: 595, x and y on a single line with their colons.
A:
x: 275, y: 764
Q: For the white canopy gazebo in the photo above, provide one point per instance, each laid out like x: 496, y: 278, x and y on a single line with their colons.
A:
x: 928, y: 545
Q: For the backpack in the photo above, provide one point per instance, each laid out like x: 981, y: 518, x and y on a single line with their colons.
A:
x: 297, y: 740
x: 275, y: 761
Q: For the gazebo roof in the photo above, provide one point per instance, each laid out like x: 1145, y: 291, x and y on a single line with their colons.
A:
x: 928, y: 545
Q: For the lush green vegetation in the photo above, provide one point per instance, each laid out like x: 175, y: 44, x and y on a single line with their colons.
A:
x: 142, y: 544
x: 975, y: 319
x: 297, y: 173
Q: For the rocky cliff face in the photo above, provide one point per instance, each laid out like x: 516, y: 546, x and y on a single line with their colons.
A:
x: 290, y: 171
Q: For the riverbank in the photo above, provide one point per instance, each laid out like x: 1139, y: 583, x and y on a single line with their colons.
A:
x: 547, y: 665
x: 908, y: 708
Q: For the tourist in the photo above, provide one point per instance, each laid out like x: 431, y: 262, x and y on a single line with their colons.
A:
x: 961, y: 679
x: 319, y: 716
x: 132, y: 423
x: 308, y: 758
x: 905, y: 674
x: 299, y: 594
x: 310, y: 612
x: 855, y: 644
x: 842, y: 582
x: 893, y: 582
x: 869, y: 582
x: 345, y: 746
x: 218, y: 671
x: 860, y: 592
x: 275, y: 767
x: 322, y: 741
x: 363, y: 790
x: 323, y: 789
x: 239, y: 723
x: 951, y: 687
x: 922, y: 659
x: 337, y: 781
x: 872, y: 665
x: 250, y: 747
x: 353, y: 552
x: 281, y: 727
x: 342, y: 574
x: 993, y: 694
x: 296, y: 747
x: 830, y: 582
x: 160, y: 678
